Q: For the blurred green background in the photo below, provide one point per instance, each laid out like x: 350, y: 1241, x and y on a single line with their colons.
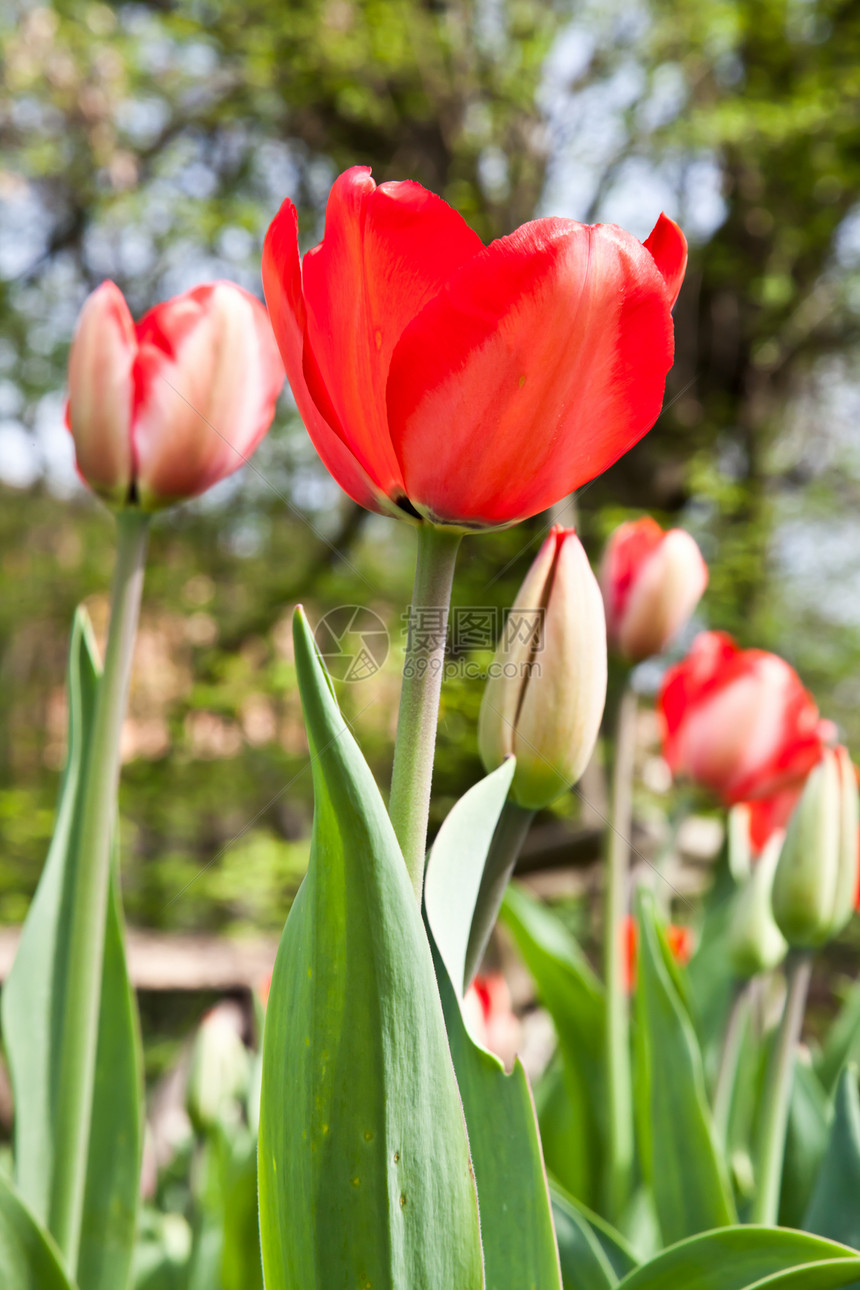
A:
x: 153, y: 142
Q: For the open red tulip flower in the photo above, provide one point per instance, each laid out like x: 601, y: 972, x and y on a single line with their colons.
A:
x: 651, y: 581
x: 739, y: 721
x: 465, y: 384
x: 163, y: 409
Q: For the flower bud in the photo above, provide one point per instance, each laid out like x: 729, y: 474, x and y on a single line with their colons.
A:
x: 162, y: 410
x: 651, y: 583
x: 755, y: 942
x: 220, y: 1068
x: 816, y: 879
x: 547, y: 687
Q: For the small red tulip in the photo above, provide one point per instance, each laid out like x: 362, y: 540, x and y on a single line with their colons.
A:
x: 680, y: 940
x: 651, y: 581
x: 739, y: 722
x: 469, y: 385
x: 162, y: 410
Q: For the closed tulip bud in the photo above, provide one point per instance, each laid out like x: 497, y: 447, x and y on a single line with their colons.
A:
x: 816, y: 879
x: 220, y: 1068
x: 651, y: 583
x: 547, y: 686
x: 162, y: 410
x: 755, y: 942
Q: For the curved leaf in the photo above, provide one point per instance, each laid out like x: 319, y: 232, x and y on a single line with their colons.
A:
x: 738, y: 1258
x: 615, y: 1247
x: 364, y: 1169
x: 513, y: 1196
x: 584, y: 1264
x: 680, y: 1158
x: 33, y: 1009
x: 28, y: 1257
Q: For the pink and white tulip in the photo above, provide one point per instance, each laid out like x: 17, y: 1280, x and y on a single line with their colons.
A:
x: 163, y: 409
x: 651, y: 582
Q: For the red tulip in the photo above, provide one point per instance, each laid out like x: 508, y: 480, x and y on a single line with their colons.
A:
x: 490, y: 1017
x: 162, y: 410
x: 679, y: 939
x: 651, y: 583
x: 465, y: 384
x: 739, y: 722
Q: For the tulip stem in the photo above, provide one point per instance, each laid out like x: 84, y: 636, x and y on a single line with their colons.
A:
x: 777, y: 1092
x: 729, y: 1057
x: 511, y: 830
x: 619, y: 1082
x: 415, y: 744
x: 89, y: 895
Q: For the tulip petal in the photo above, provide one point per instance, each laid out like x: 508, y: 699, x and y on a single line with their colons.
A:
x: 540, y: 362
x: 100, y: 392
x: 207, y: 378
x: 386, y: 251
x: 668, y: 246
x: 282, y: 285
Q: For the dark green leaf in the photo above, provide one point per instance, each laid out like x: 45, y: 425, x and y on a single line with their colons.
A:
x: 680, y: 1158
x: 584, y: 1264
x: 365, y: 1174
x: 619, y: 1254
x: 32, y: 1006
x: 809, y: 1115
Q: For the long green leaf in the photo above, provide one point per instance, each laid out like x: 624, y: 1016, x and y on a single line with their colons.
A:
x: 32, y: 1011
x: 28, y: 1257
x: 738, y: 1258
x: 679, y: 1154
x: 513, y: 1198
x: 364, y: 1168
x: 584, y: 1263
x: 573, y: 996
x: 834, y: 1210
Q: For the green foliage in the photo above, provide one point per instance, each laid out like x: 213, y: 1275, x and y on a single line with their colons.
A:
x: 28, y: 1257
x: 359, y: 1101
x: 33, y: 1028
x: 513, y: 1198
x: 679, y: 1154
x: 833, y: 1210
x: 742, y: 1257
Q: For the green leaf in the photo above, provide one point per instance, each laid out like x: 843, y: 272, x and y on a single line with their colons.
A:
x: 680, y: 1158
x: 456, y: 864
x: 738, y: 1258
x: 364, y: 1168
x: 584, y: 1264
x: 32, y: 1009
x: 573, y: 996
x: 809, y: 1115
x: 834, y: 1210
x: 619, y: 1254
x: 28, y: 1258
x: 513, y: 1197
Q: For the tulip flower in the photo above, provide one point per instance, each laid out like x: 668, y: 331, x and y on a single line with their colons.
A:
x: 163, y: 409
x: 755, y: 942
x: 651, y: 581
x: 547, y: 685
x: 739, y: 722
x: 465, y: 384
x: 679, y: 940
x: 816, y: 878
x: 490, y: 1017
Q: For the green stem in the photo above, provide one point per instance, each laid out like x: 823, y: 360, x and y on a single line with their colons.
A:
x: 511, y: 830
x: 619, y: 1082
x: 777, y: 1092
x: 729, y: 1057
x: 89, y: 895
x: 415, y: 744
